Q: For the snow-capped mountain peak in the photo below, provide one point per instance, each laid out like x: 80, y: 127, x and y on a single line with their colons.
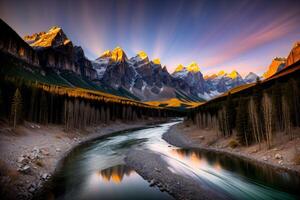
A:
x: 251, y: 77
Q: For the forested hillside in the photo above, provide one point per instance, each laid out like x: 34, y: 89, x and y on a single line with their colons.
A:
x: 257, y: 111
x: 27, y: 94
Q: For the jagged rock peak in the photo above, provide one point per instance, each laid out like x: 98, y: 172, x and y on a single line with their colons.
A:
x: 156, y: 61
x: 115, y: 55
x: 212, y: 76
x: 221, y: 73
x: 142, y: 55
x: 251, y: 77
x: 294, y: 54
x: 54, y: 37
x: 277, y: 64
x: 193, y: 67
x: 179, y: 68
x: 234, y: 74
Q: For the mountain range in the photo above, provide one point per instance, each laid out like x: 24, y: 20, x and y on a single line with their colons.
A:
x: 138, y: 77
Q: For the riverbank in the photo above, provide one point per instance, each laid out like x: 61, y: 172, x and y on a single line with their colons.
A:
x: 30, y: 153
x: 284, y: 155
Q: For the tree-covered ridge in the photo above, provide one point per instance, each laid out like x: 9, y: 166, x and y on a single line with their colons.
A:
x: 256, y: 112
x: 45, y: 96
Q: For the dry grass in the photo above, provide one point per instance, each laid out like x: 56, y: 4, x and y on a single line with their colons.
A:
x: 174, y: 102
x: 233, y: 143
x: 39, y: 163
x: 297, y: 158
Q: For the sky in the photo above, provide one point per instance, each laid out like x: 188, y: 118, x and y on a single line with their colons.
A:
x: 219, y: 35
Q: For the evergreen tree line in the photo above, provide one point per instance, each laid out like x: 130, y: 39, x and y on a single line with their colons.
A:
x: 255, y: 115
x: 20, y: 100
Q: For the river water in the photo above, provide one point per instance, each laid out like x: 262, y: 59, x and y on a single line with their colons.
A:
x: 96, y: 170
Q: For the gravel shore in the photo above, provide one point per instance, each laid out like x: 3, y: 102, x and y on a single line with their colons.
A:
x: 30, y: 154
x: 155, y: 170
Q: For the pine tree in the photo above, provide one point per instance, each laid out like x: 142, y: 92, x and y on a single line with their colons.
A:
x: 230, y: 114
x: 16, y: 107
x: 242, y: 123
x: 43, y: 109
x: 267, y: 112
x: 254, y: 120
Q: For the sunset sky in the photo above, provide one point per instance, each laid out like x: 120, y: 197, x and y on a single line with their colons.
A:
x: 218, y: 35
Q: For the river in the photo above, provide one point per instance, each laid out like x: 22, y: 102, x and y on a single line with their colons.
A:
x: 97, y: 170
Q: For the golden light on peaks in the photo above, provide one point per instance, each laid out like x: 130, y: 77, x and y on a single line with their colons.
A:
x: 233, y: 74
x: 179, y: 68
x: 193, y: 67
x: 142, y: 54
x: 105, y: 54
x: 221, y: 73
x: 156, y: 61
x: 54, y: 36
x: 116, y: 55
x: 212, y: 76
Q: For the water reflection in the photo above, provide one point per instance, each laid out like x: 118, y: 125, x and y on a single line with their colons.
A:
x: 219, y: 172
x: 115, y: 173
x: 97, y: 170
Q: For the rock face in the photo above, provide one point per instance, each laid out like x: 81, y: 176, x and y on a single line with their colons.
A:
x: 294, y: 55
x: 85, y: 65
x: 55, y: 50
x: 12, y: 43
x: 148, y: 80
x: 145, y: 79
x: 193, y: 77
x: 276, y: 65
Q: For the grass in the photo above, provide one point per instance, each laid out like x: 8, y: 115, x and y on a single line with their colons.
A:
x: 233, y: 143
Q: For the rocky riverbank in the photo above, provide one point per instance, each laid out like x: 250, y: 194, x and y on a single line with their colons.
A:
x: 30, y: 153
x: 283, y: 155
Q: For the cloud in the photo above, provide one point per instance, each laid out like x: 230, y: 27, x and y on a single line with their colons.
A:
x: 244, y: 42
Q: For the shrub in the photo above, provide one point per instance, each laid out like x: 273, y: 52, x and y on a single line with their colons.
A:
x: 233, y: 143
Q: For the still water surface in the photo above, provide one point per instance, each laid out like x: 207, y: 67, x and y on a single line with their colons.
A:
x: 96, y: 170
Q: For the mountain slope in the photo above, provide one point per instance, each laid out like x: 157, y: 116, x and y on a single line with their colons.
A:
x: 57, y: 51
x: 276, y: 65
x: 294, y: 55
x: 146, y: 79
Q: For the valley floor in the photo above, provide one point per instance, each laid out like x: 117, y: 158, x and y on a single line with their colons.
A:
x: 284, y: 154
x: 30, y: 154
